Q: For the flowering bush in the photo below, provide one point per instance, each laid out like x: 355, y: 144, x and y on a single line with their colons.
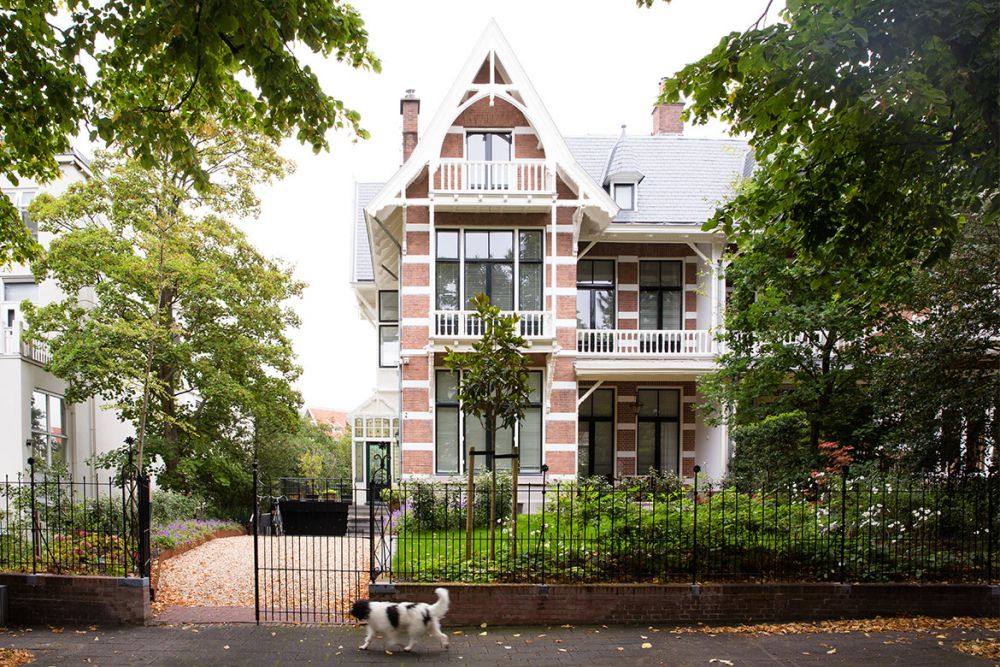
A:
x: 178, y: 533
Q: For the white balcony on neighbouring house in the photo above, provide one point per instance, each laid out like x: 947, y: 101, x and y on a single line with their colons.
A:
x: 465, y: 324
x: 635, y: 343
x: 14, y: 344
x: 515, y: 177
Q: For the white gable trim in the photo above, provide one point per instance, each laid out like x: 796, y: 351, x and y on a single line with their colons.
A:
x: 491, y: 45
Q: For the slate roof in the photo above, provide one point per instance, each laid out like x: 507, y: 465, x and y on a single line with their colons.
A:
x: 685, y: 177
x: 363, y: 271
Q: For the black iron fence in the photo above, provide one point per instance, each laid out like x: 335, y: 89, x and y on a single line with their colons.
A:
x: 57, y: 525
x: 848, y: 527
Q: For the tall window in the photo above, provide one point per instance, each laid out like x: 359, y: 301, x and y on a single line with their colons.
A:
x: 658, y: 444
x: 488, y: 264
x: 596, y: 434
x: 451, y: 423
x: 595, y: 294
x: 48, y: 429
x: 661, y: 295
x: 447, y: 270
x: 388, y: 328
x: 489, y: 267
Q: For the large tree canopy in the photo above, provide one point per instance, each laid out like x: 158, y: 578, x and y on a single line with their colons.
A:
x: 145, y: 75
x: 170, y: 314
x: 875, y: 124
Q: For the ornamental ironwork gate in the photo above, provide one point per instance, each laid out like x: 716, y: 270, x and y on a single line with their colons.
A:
x: 318, y: 544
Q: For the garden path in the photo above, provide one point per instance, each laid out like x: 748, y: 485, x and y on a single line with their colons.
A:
x: 319, y: 575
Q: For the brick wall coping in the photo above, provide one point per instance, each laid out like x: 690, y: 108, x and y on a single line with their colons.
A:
x: 513, y: 604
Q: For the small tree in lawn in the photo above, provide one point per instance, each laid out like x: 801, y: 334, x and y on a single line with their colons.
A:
x: 493, y: 387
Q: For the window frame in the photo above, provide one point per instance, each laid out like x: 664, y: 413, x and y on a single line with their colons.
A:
x: 659, y: 420
x: 592, y: 421
x: 382, y: 361
x: 382, y: 296
x: 461, y: 261
x: 463, y: 422
x: 659, y: 290
x: 592, y: 290
x: 489, y: 145
x: 633, y: 186
x: 47, y: 434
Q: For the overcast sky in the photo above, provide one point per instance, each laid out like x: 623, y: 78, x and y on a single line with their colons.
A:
x: 595, y: 64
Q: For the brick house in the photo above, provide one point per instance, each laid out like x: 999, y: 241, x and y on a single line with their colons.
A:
x: 595, y: 241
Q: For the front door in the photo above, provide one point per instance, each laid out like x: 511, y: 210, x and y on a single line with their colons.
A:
x: 378, y: 466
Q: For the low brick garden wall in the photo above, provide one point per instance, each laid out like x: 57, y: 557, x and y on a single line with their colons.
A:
x: 54, y: 599
x: 505, y: 604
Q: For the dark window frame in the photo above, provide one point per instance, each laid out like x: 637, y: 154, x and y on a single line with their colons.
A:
x: 461, y: 261
x: 490, y: 262
x: 592, y: 287
x: 383, y: 294
x: 658, y: 421
x: 463, y: 421
x: 592, y: 420
x: 659, y: 290
x: 381, y: 361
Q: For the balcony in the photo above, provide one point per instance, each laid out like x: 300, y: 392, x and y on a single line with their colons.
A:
x: 516, y: 177
x: 465, y: 324
x: 645, y: 344
x: 13, y: 344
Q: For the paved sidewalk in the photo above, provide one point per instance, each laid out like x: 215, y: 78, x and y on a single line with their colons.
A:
x: 304, y: 645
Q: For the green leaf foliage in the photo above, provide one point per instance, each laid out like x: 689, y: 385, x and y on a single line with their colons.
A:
x: 168, y: 301
x: 875, y: 125
x: 494, y: 382
x: 145, y: 76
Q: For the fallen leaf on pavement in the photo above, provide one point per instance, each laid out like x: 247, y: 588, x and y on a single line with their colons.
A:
x: 831, y: 651
x: 647, y: 645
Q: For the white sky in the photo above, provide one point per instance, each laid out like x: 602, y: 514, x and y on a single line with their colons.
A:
x: 595, y: 64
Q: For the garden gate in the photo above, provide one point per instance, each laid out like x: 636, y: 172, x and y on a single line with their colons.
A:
x: 318, y: 543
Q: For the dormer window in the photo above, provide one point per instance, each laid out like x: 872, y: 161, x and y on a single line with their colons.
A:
x: 624, y: 194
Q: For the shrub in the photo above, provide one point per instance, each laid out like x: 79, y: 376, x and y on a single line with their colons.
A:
x: 776, y: 449
x: 167, y: 506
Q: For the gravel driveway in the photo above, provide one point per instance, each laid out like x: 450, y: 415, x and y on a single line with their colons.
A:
x: 309, y: 579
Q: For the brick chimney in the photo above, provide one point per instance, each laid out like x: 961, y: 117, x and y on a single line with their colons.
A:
x: 667, y: 119
x: 409, y: 107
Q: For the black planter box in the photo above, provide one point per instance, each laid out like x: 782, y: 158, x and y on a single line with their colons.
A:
x: 313, y: 517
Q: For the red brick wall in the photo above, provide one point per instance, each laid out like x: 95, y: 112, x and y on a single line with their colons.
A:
x: 49, y: 599
x: 526, y: 147
x: 529, y: 604
x: 481, y: 114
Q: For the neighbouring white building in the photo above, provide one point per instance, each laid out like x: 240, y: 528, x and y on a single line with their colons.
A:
x: 595, y: 241
x: 35, y: 418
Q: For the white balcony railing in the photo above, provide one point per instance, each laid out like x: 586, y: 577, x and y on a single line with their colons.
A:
x: 13, y: 343
x: 466, y: 324
x: 645, y: 343
x: 477, y: 177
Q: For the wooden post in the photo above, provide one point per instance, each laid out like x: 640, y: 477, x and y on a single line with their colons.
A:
x: 493, y: 510
x: 515, y: 463
x: 470, y: 496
